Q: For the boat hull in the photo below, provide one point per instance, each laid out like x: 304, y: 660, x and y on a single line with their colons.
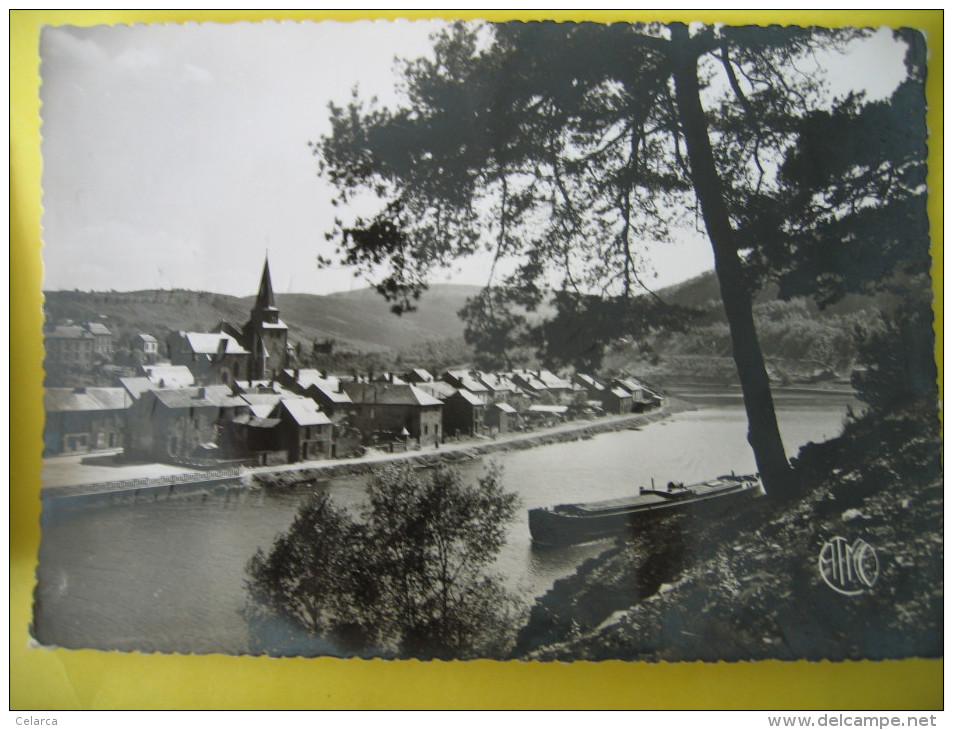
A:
x: 569, y: 524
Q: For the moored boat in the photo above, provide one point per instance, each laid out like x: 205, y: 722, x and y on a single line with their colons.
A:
x: 566, y: 524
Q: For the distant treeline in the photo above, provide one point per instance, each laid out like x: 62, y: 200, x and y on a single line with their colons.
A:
x: 790, y: 331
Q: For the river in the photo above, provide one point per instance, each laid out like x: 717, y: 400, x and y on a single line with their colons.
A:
x: 169, y: 575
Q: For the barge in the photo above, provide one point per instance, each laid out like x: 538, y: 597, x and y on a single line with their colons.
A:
x: 566, y: 524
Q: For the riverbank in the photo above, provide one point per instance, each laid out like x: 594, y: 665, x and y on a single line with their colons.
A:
x: 106, y: 476
x: 751, y: 585
x: 454, y: 452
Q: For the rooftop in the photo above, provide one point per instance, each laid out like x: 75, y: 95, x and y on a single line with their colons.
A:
x: 217, y: 396
x: 170, y: 376
x: 68, y: 331
x: 85, y: 399
x: 389, y: 394
x: 136, y: 386
x: 330, y: 387
x: 469, y: 397
x: 438, y: 389
x: 208, y: 343
x: 305, y: 412
x: 97, y: 328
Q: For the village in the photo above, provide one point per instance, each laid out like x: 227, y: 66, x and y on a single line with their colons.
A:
x: 234, y: 397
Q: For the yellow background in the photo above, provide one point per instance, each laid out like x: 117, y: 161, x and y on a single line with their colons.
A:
x: 61, y: 679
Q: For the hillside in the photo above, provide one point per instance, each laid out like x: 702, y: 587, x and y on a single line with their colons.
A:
x: 799, y: 340
x: 357, y: 321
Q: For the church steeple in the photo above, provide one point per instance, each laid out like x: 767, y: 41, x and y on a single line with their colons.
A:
x: 266, y: 295
x: 264, y: 335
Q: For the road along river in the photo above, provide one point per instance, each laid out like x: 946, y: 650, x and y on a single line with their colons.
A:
x: 169, y: 575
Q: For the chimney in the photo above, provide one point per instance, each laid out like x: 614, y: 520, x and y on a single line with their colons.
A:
x: 201, y: 393
x: 297, y: 373
x: 80, y: 390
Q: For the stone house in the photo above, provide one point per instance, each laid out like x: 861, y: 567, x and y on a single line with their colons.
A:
x: 468, y: 380
x: 386, y: 410
x: 501, y: 418
x: 71, y: 346
x: 183, y: 424
x: 79, y: 420
x: 642, y: 398
x: 102, y: 339
x: 464, y: 413
x: 214, y: 358
x: 615, y: 400
x: 305, y: 431
x: 144, y: 347
x: 326, y: 391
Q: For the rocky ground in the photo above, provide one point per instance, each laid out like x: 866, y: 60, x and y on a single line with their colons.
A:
x: 747, y: 584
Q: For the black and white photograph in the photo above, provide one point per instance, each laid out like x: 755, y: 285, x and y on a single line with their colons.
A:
x: 453, y: 340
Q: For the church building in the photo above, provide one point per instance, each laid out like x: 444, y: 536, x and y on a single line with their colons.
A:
x: 258, y: 351
x: 264, y: 335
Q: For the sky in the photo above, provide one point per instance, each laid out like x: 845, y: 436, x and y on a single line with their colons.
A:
x: 176, y: 156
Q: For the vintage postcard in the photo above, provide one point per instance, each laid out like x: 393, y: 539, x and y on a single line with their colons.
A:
x: 465, y: 340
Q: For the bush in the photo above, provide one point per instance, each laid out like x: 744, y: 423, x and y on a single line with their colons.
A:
x: 408, y: 579
x: 898, y: 362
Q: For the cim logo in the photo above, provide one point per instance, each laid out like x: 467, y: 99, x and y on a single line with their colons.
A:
x: 849, y: 569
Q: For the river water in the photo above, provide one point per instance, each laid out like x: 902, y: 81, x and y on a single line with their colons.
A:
x: 169, y: 575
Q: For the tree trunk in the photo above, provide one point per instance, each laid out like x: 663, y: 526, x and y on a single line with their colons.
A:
x: 763, y: 433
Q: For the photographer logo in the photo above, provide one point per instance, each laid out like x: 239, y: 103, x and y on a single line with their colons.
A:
x: 848, y: 568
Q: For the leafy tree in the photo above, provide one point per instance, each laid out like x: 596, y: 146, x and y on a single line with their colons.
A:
x: 899, y: 371
x: 854, y: 196
x: 563, y: 147
x: 409, y: 577
x: 494, y: 329
x: 585, y: 324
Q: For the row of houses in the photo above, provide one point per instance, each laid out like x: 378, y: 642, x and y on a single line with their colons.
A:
x: 165, y: 415
x: 229, y: 395
x: 77, y: 346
